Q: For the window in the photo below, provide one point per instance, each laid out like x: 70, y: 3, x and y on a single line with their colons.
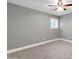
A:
x: 53, y: 23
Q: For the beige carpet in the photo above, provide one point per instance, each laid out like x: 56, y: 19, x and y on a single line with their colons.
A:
x: 55, y: 50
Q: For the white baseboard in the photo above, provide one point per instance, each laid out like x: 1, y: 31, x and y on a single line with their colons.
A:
x: 37, y: 44
x: 65, y: 40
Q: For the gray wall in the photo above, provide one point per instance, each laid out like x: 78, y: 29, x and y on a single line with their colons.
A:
x: 26, y: 26
x: 66, y: 26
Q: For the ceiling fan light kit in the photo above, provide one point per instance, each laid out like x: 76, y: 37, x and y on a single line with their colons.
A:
x: 59, y: 9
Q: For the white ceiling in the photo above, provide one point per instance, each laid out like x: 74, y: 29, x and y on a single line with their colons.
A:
x: 41, y: 5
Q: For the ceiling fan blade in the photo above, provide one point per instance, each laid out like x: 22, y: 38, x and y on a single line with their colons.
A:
x: 55, y: 9
x: 51, y: 5
x: 68, y: 5
x: 65, y: 9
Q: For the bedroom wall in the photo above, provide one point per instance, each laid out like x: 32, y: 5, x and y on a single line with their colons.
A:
x: 26, y: 26
x: 66, y: 26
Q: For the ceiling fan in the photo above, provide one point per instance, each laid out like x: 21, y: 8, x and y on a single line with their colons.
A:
x: 60, y: 6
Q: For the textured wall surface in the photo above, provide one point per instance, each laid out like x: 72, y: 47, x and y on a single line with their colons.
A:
x: 66, y: 26
x: 56, y: 50
x: 26, y: 26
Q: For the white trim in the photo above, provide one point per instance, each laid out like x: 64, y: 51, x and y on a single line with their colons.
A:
x: 29, y: 46
x: 66, y: 40
x: 37, y: 44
